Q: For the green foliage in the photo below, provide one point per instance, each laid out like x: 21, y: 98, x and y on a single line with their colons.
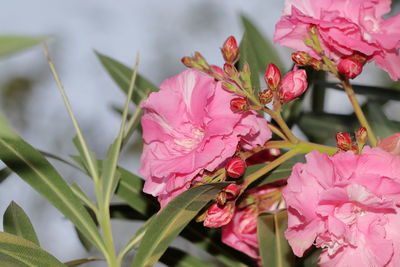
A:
x: 16, y: 222
x: 18, y: 252
x: 13, y: 44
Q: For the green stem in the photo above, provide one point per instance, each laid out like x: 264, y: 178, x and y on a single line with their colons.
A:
x: 357, y: 109
x: 277, y: 131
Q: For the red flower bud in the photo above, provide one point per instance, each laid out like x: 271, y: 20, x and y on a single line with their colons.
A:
x: 272, y: 76
x: 301, y: 58
x: 218, y: 215
x: 187, y: 61
x: 239, y: 105
x: 343, y: 141
x: 230, y: 70
x: 391, y: 144
x: 316, y: 64
x: 230, y: 50
x: 232, y: 191
x: 361, y: 135
x: 235, y: 167
x: 293, y: 85
x: 265, y: 96
x: 350, y: 67
x: 221, y: 198
x: 217, y: 70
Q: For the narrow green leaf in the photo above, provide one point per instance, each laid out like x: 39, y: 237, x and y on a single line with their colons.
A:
x: 78, y: 262
x: 83, y: 197
x: 263, y: 48
x: 16, y: 251
x: 248, y: 55
x: 171, y: 220
x: 178, y: 258
x: 13, y: 44
x: 33, y: 168
x: 16, y: 222
x: 4, y: 173
x: 92, y: 159
x: 122, y: 74
x: 274, y: 248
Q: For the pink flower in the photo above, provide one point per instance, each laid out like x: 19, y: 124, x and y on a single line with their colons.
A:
x: 293, y: 85
x: 241, y: 232
x: 188, y: 127
x: 348, y: 205
x: 344, y: 27
x: 391, y: 144
x: 219, y: 215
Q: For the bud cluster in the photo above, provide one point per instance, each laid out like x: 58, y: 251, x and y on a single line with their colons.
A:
x: 345, y: 143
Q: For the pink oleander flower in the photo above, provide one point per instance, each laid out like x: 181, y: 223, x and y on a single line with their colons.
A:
x: 293, y: 85
x: 241, y: 232
x: 189, y: 128
x: 348, y: 205
x: 344, y: 27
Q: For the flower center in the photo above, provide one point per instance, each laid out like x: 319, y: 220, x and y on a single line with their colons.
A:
x: 187, y: 137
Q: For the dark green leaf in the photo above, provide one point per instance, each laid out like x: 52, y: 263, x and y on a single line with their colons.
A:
x: 16, y: 222
x: 13, y: 44
x: 274, y: 248
x: 171, y: 220
x: 263, y: 49
x: 248, y: 55
x: 33, y: 168
x: 121, y: 74
x: 177, y: 258
x: 4, y: 173
x: 78, y: 262
x: 16, y: 251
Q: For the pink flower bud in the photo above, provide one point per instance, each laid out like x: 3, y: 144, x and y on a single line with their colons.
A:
x: 239, y: 105
x: 293, y: 85
x: 230, y: 70
x: 265, y: 96
x: 235, y: 167
x: 230, y: 50
x: 343, y: 141
x: 232, y: 191
x: 350, y: 67
x: 272, y: 76
x: 218, y: 215
x: 301, y: 58
x: 391, y: 144
x: 361, y: 135
x: 217, y: 70
x: 221, y: 198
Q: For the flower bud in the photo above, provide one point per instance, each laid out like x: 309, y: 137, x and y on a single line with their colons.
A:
x: 187, y: 61
x: 230, y: 50
x: 221, y: 198
x: 350, y: 67
x: 239, y: 105
x: 293, y: 85
x: 265, y: 96
x: 360, y: 57
x: 217, y: 71
x: 230, y: 86
x: 343, y: 141
x: 316, y: 64
x: 391, y: 144
x: 232, y: 191
x: 301, y: 58
x: 230, y: 70
x: 362, y: 136
x: 218, y: 215
x: 272, y: 76
x: 235, y: 167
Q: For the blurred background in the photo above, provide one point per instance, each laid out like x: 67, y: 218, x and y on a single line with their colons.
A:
x: 161, y: 31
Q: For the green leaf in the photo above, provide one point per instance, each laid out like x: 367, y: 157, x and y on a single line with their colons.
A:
x: 16, y: 222
x: 33, y: 168
x: 178, y: 258
x: 248, y: 55
x: 92, y: 159
x: 122, y: 74
x: 171, y: 220
x: 380, y: 124
x: 274, y: 248
x: 13, y: 44
x: 263, y: 48
x: 4, y: 173
x: 16, y: 251
x: 78, y: 262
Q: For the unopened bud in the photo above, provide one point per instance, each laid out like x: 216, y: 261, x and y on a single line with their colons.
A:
x: 200, y: 61
x: 230, y: 86
x: 391, y: 144
x: 217, y: 71
x: 239, y: 105
x: 230, y: 70
x: 272, y: 76
x: 235, y: 167
x: 343, y: 141
x: 265, y: 96
x: 218, y: 215
x: 230, y: 50
x: 360, y: 57
x: 350, y: 67
x: 232, y: 191
x: 293, y: 85
x: 221, y: 198
x: 316, y: 64
x: 187, y: 61
x: 301, y: 58
x: 362, y: 135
